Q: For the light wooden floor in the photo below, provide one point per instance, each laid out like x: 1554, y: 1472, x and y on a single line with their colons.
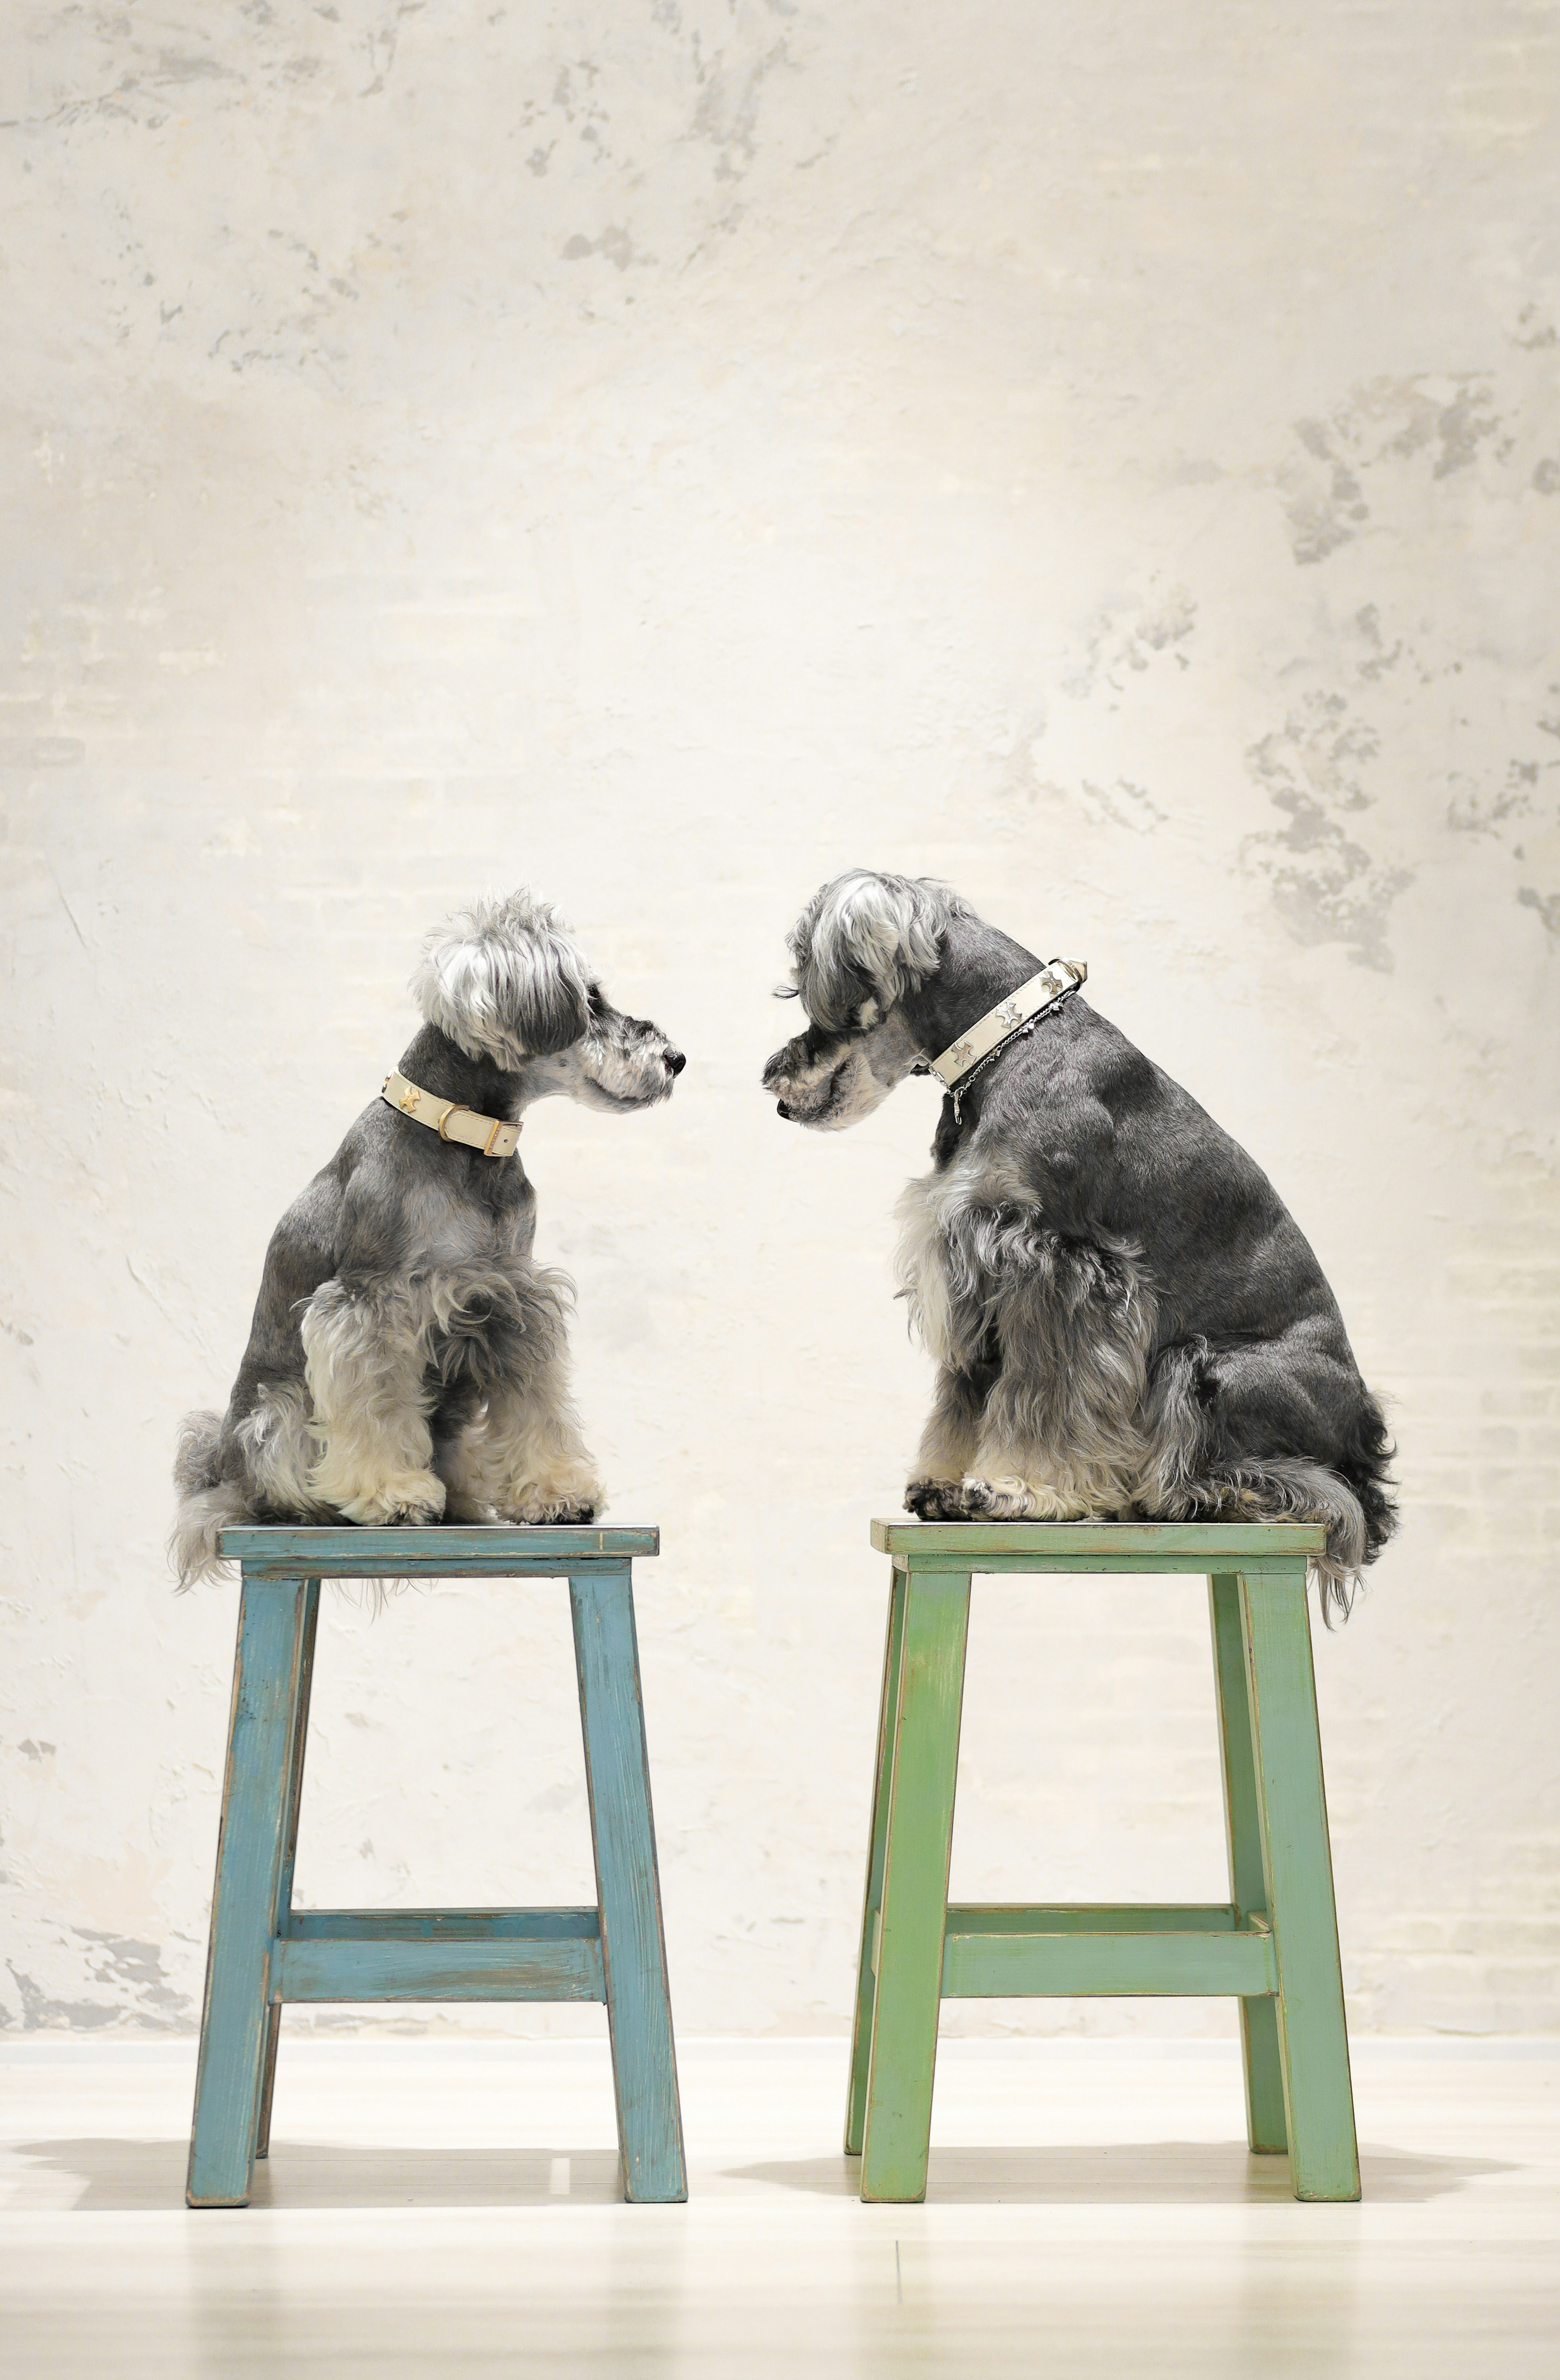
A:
x: 437, y: 2207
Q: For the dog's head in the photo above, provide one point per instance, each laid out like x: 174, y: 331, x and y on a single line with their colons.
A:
x: 506, y: 980
x: 858, y: 948
x: 619, y: 1062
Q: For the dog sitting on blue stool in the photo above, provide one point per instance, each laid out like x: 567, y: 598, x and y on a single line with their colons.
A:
x: 408, y: 1358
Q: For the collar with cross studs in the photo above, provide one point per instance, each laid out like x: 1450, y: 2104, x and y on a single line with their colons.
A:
x: 450, y: 1118
x: 1056, y: 982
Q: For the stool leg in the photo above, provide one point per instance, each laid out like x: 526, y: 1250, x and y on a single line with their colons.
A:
x: 867, y: 1966
x: 1297, y: 1858
x: 267, y: 1681
x: 289, y: 1852
x: 627, y: 1884
x: 922, y: 1776
x: 1248, y: 1887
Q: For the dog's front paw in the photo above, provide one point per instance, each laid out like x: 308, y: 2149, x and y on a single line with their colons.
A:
x: 408, y: 1498
x: 999, y: 1499
x: 556, y: 1506
x: 936, y: 1500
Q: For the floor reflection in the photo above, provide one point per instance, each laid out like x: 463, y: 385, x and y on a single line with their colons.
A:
x: 139, y: 2176
x: 1148, y: 2173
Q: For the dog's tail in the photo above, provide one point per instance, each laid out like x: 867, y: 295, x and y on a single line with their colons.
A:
x: 1363, y: 1465
x: 1277, y: 1487
x: 206, y: 1504
x: 1350, y: 1495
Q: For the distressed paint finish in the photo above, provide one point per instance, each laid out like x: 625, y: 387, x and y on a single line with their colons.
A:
x: 492, y: 1551
x: 628, y: 1887
x: 442, y: 1968
x: 297, y: 1740
x: 872, y: 1900
x: 1265, y: 2129
x: 444, y: 1926
x: 1274, y: 1946
x: 264, y: 1954
x: 999, y: 1917
x: 923, y: 1773
x: 1065, y: 1544
x: 268, y: 1674
x: 1296, y: 1861
x: 1160, y: 1964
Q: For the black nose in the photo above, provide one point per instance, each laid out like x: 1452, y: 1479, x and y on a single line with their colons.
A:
x: 676, y: 1061
x: 782, y: 1109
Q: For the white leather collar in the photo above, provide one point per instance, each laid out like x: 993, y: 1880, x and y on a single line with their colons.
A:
x: 1010, y: 1016
x: 450, y: 1120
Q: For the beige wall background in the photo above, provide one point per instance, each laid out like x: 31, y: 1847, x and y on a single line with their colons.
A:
x: 666, y: 454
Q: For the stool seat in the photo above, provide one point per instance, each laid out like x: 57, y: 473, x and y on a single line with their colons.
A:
x: 1273, y: 1945
x: 264, y: 1953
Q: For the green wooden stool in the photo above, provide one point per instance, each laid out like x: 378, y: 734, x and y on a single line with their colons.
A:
x: 1274, y: 1946
x: 264, y: 1952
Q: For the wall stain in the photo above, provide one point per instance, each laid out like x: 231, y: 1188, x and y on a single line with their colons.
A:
x: 1326, y: 887
x: 130, y: 1973
x: 1548, y: 909
x: 1377, y: 660
x: 1130, y: 637
x: 615, y: 243
x: 1527, y: 799
x: 1533, y: 331
x: 1481, y: 812
x: 1448, y: 421
x: 727, y: 113
x: 136, y: 1969
x: 41, y: 2014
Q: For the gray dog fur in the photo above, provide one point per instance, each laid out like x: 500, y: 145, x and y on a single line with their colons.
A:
x: 408, y: 1359
x: 1127, y: 1321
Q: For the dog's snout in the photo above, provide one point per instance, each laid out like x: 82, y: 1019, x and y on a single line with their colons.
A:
x: 675, y: 1060
x: 782, y: 1109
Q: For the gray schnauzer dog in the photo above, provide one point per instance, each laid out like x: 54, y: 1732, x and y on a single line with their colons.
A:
x: 408, y: 1360
x: 1127, y: 1322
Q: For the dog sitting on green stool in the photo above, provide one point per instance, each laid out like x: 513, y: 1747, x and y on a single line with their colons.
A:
x: 1127, y: 1322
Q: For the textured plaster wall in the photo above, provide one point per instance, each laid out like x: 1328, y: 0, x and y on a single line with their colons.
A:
x: 1107, y: 456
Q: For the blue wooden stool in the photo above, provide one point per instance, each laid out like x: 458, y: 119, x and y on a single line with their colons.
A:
x: 264, y: 1953
x: 1274, y: 1945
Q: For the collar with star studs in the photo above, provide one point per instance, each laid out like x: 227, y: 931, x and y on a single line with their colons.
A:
x: 450, y: 1120
x: 1054, y: 982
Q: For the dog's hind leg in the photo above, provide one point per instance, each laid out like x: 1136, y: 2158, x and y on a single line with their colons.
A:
x: 366, y: 1365
x: 525, y: 1460
x: 1247, y: 1432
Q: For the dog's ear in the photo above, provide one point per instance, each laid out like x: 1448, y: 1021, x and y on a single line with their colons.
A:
x: 506, y: 980
x: 864, y: 937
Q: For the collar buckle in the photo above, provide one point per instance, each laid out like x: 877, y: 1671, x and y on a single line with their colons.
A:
x: 450, y: 1119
